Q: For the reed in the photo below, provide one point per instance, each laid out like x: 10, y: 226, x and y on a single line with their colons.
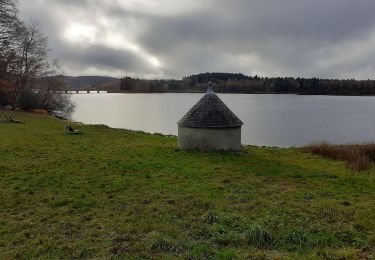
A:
x: 359, y: 157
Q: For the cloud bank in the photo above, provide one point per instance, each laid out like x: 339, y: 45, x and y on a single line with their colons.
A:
x: 171, y: 39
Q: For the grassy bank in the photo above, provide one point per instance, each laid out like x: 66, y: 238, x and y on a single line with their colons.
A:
x: 117, y: 193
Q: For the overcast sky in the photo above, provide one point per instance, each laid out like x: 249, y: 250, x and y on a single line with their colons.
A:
x: 171, y: 39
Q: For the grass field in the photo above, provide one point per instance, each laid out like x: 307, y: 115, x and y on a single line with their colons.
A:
x: 122, y: 194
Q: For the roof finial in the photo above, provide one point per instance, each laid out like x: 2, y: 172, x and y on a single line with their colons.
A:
x: 210, y: 90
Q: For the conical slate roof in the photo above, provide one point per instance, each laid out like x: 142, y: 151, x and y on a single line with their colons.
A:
x: 210, y: 112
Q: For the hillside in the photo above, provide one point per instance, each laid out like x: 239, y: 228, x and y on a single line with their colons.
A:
x: 225, y: 83
x: 121, y: 194
x: 239, y: 83
x: 87, y: 82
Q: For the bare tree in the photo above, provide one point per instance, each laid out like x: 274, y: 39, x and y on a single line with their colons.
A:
x: 50, y: 89
x: 26, y: 66
x: 9, y: 25
x: 32, y: 63
x: 8, y: 17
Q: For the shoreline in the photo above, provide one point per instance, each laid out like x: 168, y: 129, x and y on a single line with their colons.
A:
x: 43, y: 112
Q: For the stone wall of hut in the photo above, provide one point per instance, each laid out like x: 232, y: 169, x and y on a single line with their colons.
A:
x: 209, y: 139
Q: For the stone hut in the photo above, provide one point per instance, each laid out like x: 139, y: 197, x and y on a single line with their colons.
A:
x: 210, y: 125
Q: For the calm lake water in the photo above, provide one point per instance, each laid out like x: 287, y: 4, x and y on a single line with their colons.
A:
x: 269, y: 120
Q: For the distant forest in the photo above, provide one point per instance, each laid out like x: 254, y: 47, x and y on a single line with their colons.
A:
x: 239, y: 83
x: 87, y: 82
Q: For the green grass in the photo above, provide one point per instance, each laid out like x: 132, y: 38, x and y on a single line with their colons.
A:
x: 122, y: 194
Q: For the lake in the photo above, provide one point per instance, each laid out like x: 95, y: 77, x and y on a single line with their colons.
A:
x: 269, y: 120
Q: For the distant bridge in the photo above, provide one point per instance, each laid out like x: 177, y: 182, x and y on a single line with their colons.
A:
x: 89, y: 91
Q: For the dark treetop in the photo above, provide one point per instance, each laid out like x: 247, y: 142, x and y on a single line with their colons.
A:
x: 210, y: 112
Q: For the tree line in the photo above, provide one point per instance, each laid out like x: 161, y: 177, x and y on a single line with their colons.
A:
x: 239, y: 83
x: 27, y: 78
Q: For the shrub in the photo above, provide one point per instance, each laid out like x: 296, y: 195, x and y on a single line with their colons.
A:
x: 28, y: 101
x: 3, y: 98
x: 52, y: 102
x: 5, y: 89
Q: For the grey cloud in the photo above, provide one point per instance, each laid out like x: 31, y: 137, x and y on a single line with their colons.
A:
x: 270, y: 37
x: 104, y: 57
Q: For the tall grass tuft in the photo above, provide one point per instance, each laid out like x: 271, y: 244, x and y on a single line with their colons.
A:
x: 211, y: 218
x: 297, y: 239
x: 359, y: 157
x: 160, y: 244
x: 259, y: 237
